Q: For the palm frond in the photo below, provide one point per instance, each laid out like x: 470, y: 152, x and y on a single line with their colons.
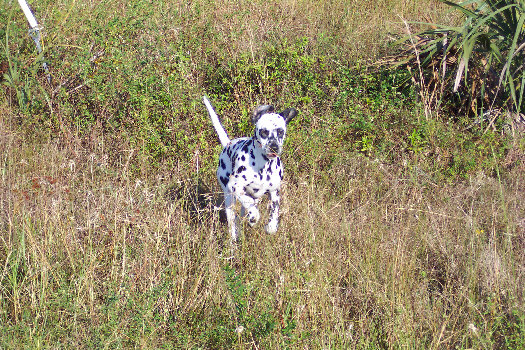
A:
x: 489, y: 44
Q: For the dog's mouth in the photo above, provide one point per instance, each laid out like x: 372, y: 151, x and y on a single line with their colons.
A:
x: 273, y: 152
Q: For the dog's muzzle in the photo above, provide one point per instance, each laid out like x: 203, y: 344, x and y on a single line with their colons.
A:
x: 273, y: 149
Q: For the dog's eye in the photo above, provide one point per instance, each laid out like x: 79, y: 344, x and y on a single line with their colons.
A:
x: 264, y: 133
x: 280, y: 133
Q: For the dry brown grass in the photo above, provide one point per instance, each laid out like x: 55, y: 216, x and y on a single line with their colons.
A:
x: 350, y: 28
x: 376, y: 255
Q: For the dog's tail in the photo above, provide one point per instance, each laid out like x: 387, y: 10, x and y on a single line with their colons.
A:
x: 223, y: 137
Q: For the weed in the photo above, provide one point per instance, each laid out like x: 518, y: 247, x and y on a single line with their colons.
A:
x: 257, y: 324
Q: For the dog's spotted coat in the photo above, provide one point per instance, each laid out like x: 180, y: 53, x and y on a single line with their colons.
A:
x: 250, y: 167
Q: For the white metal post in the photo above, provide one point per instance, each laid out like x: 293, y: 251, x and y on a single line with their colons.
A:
x: 34, y: 32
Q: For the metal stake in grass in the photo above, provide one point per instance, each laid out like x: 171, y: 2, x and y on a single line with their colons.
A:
x: 34, y: 32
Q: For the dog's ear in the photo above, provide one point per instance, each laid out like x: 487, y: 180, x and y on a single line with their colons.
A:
x: 257, y: 114
x: 288, y: 114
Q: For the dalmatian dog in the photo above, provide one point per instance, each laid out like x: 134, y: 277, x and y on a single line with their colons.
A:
x: 250, y: 167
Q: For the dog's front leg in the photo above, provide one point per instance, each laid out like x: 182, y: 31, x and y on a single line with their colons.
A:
x: 229, y: 201
x: 273, y: 222
x: 249, y: 208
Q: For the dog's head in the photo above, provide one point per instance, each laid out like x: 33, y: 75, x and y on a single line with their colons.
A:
x: 270, y: 128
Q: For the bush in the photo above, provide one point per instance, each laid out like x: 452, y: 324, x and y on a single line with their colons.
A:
x: 481, y: 59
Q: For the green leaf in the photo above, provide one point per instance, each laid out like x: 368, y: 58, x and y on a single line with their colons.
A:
x: 517, y: 34
x: 520, y: 101
x: 460, y: 8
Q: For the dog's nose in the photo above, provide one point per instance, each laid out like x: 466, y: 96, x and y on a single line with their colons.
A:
x: 274, y: 146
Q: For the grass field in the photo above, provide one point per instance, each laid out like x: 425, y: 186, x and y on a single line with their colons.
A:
x: 399, y: 228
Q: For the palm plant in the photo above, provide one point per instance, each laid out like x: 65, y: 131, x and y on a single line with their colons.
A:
x: 485, y: 53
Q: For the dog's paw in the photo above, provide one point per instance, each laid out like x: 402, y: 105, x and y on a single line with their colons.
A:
x: 271, y: 227
x: 253, y: 216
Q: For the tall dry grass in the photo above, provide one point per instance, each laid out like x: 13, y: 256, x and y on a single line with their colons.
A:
x: 373, y: 255
x: 352, y: 29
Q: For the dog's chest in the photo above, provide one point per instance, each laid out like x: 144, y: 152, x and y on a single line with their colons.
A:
x: 258, y: 181
x: 242, y: 167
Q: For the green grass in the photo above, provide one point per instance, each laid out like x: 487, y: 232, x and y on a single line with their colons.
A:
x: 396, y: 230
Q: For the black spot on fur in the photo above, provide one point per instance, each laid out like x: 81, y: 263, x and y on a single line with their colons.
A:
x: 281, y: 174
x: 244, y: 177
x: 243, y: 158
x: 253, y: 163
x: 224, y: 181
x: 245, y: 148
x: 265, y: 158
x: 251, y: 154
x: 268, y: 177
x: 221, y: 162
x: 241, y: 169
x: 278, y: 161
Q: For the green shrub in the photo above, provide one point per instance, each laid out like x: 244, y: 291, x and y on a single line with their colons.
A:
x: 485, y: 54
